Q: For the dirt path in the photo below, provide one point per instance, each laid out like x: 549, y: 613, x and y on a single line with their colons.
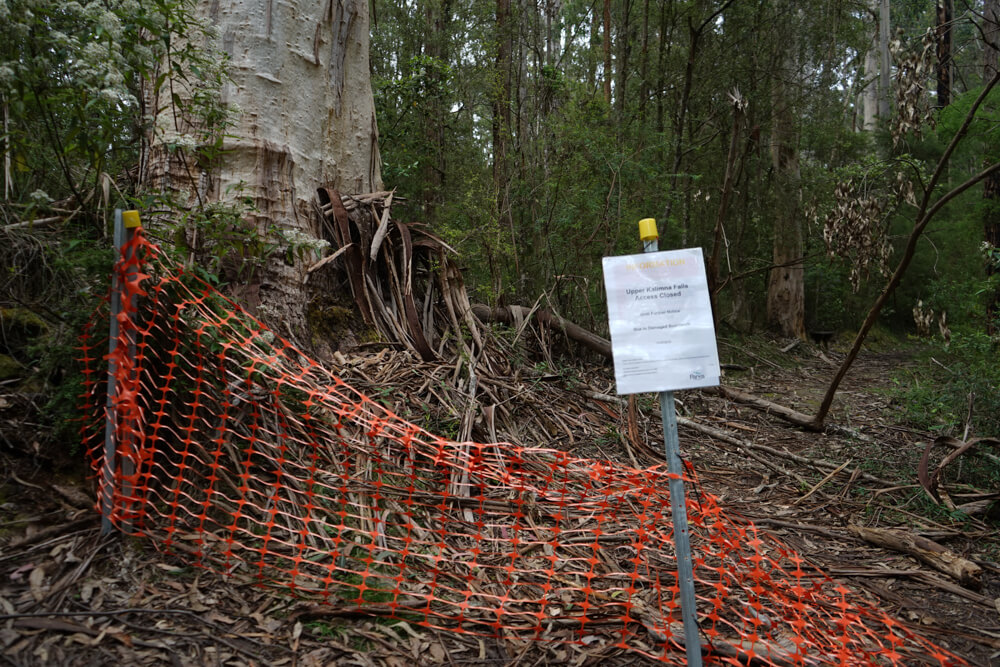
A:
x: 811, y: 510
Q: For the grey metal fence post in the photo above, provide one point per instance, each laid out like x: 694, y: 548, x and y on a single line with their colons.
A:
x: 678, y: 509
x: 108, y: 477
x: 125, y: 226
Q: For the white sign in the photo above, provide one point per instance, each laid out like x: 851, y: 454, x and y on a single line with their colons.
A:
x: 662, y: 333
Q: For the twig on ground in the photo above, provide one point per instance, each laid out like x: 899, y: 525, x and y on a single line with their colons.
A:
x: 826, y: 479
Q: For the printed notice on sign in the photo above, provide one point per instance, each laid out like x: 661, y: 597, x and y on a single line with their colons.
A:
x: 662, y: 333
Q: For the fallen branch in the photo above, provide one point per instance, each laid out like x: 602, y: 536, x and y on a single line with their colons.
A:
x: 748, y: 446
x: 923, y: 576
x: 590, y: 340
x: 929, y: 552
x: 798, y: 527
x: 931, y: 481
x: 744, y: 445
x: 759, y: 358
x: 50, y: 531
x: 789, y: 415
x: 823, y: 481
x: 782, y: 412
x: 58, y: 625
x: 548, y: 319
x: 37, y: 222
x: 49, y: 620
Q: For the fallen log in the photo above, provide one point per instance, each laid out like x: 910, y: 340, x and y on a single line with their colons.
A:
x: 793, y: 416
x: 927, y: 551
x: 547, y: 319
x: 590, y: 340
x: 746, y: 445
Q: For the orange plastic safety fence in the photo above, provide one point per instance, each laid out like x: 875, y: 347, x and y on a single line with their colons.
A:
x: 241, y: 454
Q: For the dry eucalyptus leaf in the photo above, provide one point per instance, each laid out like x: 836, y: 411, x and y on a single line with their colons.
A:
x: 8, y: 637
x: 87, y: 590
x: 36, y: 580
x: 438, y: 652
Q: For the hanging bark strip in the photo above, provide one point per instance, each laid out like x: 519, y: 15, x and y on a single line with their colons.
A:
x: 332, y: 205
x: 412, y: 318
x: 388, y: 264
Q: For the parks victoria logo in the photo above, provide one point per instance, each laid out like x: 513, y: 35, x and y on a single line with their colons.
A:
x: 697, y: 375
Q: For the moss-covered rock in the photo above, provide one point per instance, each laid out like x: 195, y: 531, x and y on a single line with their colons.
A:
x: 10, y: 368
x: 328, y: 321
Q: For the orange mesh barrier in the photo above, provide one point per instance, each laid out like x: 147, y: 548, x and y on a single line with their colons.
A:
x: 240, y: 454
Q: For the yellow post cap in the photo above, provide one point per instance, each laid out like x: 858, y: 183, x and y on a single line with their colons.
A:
x: 131, y: 219
x: 647, y: 229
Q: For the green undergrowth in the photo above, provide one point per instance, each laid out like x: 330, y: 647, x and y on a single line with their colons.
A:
x: 948, y: 389
x: 944, y: 390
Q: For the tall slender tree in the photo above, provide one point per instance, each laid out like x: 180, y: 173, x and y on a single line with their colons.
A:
x: 437, y: 33
x: 786, y: 283
x: 607, y: 52
x: 502, y: 135
x: 884, y: 63
x: 875, y: 95
x: 991, y: 185
x: 945, y: 9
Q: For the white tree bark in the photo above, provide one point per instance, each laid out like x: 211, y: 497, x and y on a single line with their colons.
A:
x: 301, y: 101
x: 875, y: 94
x: 885, y: 84
x: 869, y: 96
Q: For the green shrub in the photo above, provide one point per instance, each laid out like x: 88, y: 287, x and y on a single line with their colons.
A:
x: 937, y: 393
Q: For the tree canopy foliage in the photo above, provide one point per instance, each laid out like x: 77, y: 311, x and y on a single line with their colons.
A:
x: 579, y: 169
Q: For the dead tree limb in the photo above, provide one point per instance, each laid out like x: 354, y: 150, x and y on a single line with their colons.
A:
x: 786, y: 413
x: 926, y: 213
x: 747, y: 446
x: 927, y: 551
x: 545, y: 318
x: 739, y: 104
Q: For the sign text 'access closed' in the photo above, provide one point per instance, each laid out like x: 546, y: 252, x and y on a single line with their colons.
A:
x: 662, y: 333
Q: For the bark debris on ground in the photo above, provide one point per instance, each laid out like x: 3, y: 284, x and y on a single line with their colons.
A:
x: 70, y: 596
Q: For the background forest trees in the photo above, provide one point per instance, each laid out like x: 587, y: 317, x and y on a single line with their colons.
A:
x: 534, y: 135
x: 789, y: 140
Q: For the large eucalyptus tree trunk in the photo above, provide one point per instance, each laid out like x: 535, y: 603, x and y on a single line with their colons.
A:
x: 884, y: 64
x: 869, y: 95
x: 299, y: 94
